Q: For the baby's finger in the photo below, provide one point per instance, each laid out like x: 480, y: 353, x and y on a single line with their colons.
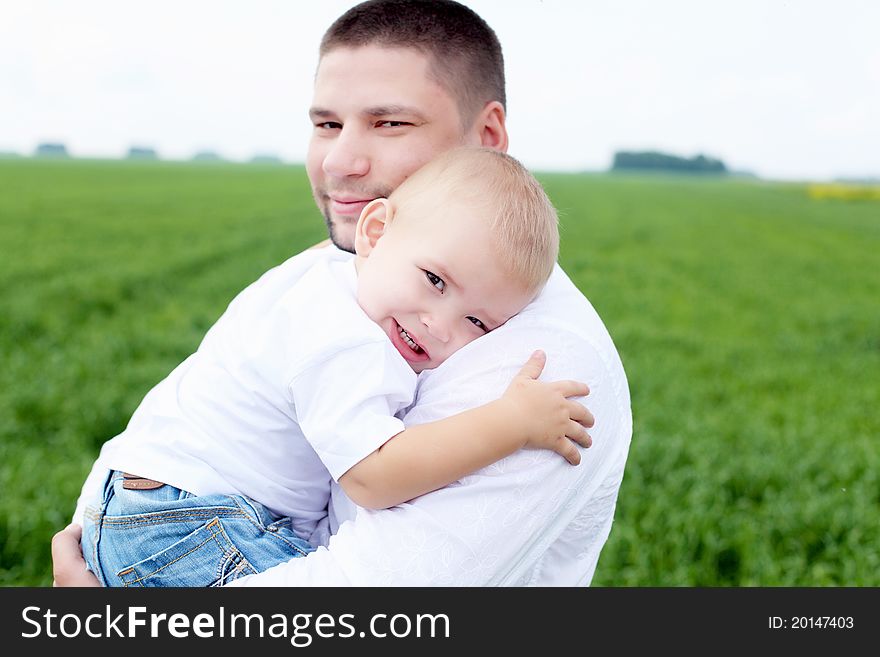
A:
x: 534, y: 365
x: 580, y: 413
x: 571, y: 388
x: 567, y: 450
x: 578, y: 434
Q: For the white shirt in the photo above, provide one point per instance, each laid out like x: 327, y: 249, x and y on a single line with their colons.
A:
x: 530, y: 519
x: 290, y: 388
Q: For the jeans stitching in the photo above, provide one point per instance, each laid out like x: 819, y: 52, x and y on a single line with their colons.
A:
x: 239, y: 509
x: 238, y: 568
x: 259, y: 526
x: 214, y: 534
x: 183, y: 515
x: 97, y: 518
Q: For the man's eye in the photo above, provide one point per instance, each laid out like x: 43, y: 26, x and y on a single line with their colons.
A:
x: 391, y: 124
x: 479, y: 324
x: 436, y: 281
x: 328, y: 125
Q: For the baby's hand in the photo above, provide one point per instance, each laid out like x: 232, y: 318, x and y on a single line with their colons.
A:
x: 545, y: 415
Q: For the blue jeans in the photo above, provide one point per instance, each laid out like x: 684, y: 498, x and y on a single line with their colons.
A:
x: 169, y: 537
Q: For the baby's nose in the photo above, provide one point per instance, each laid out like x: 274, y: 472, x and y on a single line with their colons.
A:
x: 437, y: 327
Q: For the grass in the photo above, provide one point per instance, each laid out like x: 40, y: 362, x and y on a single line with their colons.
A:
x: 745, y: 314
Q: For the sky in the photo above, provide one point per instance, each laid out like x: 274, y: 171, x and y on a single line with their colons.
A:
x: 788, y: 90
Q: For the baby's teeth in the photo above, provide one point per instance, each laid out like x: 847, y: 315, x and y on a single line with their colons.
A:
x: 408, y: 339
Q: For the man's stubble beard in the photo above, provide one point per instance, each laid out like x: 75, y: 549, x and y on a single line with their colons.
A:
x: 322, y: 200
x: 331, y: 232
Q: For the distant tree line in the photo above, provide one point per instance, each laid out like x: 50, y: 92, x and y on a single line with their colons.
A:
x: 142, y: 153
x: 51, y: 149
x: 59, y: 150
x: 656, y: 161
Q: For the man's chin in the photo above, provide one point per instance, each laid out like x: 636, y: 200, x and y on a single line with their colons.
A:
x: 341, y: 232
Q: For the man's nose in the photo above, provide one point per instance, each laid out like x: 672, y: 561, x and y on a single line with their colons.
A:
x: 347, y: 156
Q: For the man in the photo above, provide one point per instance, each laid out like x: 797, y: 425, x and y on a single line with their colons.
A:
x: 398, y: 82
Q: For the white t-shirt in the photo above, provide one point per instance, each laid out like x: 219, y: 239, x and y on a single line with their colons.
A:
x: 290, y: 388
x: 531, y: 518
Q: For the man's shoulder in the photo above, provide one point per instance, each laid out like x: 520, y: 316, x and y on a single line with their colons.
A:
x: 296, y: 266
x: 560, y: 321
x: 304, y: 309
x: 321, y: 302
x: 559, y: 303
x: 274, y: 284
x: 308, y: 278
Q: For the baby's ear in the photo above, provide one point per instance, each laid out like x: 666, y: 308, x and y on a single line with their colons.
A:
x: 371, y: 225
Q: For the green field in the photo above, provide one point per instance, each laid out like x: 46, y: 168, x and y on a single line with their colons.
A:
x: 747, y: 315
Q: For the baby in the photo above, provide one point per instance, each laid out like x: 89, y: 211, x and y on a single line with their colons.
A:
x: 302, y: 379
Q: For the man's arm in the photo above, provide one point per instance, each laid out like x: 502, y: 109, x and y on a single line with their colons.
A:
x: 529, y: 519
x: 496, y: 526
x: 493, y: 527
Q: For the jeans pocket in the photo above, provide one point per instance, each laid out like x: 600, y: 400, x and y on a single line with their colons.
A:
x: 92, y: 517
x: 206, y: 557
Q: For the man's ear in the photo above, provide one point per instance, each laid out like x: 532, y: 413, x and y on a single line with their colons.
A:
x: 371, y: 225
x: 491, y: 126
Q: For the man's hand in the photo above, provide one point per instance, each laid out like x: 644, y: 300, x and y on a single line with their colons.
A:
x: 543, y: 413
x: 68, y: 565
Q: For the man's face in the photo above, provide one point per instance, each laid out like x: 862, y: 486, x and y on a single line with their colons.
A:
x: 377, y: 118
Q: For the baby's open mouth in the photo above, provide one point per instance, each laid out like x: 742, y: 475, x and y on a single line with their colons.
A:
x: 409, y: 341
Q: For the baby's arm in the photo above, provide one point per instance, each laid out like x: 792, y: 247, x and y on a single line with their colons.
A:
x: 426, y: 457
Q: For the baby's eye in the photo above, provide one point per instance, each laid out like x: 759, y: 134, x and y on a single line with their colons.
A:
x: 436, y: 281
x: 479, y: 324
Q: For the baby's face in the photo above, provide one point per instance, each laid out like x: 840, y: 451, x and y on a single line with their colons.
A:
x: 435, y: 284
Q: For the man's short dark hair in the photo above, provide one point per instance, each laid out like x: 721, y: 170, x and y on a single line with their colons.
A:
x: 464, y: 51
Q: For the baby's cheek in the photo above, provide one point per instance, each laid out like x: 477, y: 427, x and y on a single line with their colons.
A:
x: 367, y: 303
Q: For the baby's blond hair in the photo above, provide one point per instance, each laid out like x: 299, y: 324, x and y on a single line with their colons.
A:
x: 522, y: 219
